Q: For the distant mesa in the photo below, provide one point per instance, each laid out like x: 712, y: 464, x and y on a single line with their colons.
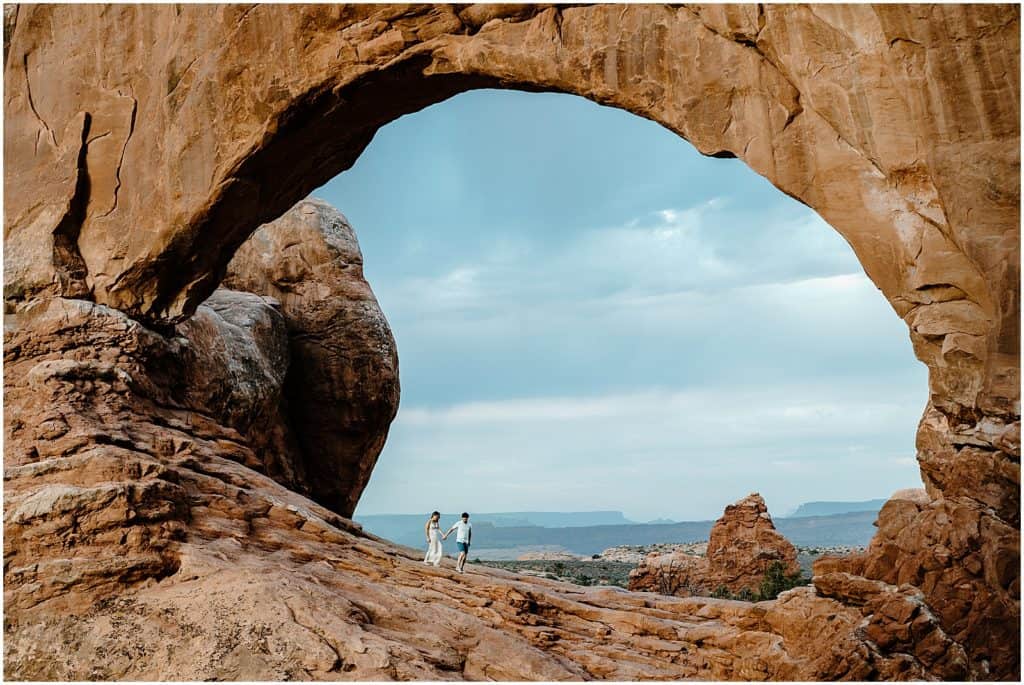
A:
x: 507, y: 535
x: 405, y: 528
x: 830, y: 508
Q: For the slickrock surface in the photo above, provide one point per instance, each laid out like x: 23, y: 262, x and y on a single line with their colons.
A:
x: 139, y: 545
x: 742, y: 545
x: 127, y: 196
x: 342, y: 386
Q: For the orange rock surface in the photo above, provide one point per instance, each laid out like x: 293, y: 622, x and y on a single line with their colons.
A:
x: 742, y: 546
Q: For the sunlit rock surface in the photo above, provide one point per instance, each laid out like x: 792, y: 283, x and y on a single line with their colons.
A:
x: 742, y: 546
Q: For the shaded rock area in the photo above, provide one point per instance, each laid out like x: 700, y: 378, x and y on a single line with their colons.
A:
x: 235, y: 359
x: 295, y: 355
x: 135, y: 489
x: 742, y: 546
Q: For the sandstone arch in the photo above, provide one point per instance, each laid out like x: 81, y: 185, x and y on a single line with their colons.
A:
x: 898, y: 124
x: 229, y: 116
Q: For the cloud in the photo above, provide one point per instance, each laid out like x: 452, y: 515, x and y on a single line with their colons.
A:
x: 754, y: 412
x: 690, y: 450
x: 580, y: 326
x: 709, y: 248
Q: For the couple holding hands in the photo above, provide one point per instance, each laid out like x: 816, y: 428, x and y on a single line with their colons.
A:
x: 434, y: 537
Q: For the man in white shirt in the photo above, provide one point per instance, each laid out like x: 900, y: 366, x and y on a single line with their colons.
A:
x: 462, y: 540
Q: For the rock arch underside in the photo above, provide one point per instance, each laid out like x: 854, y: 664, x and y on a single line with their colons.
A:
x: 188, y: 425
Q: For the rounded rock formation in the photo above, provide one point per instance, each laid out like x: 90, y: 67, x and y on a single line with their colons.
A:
x: 342, y: 386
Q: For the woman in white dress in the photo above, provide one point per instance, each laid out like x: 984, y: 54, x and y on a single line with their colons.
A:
x: 433, y: 531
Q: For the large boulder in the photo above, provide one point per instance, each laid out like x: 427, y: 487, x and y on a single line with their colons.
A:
x: 744, y: 543
x: 236, y: 359
x: 342, y: 387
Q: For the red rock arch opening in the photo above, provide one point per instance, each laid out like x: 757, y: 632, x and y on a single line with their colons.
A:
x: 899, y: 126
x: 241, y: 145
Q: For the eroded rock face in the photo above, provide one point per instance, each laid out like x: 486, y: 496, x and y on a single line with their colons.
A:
x: 235, y: 357
x: 898, y: 124
x: 744, y: 543
x: 742, y: 546
x: 342, y: 385
x: 953, y: 554
x: 675, y: 573
x: 140, y: 545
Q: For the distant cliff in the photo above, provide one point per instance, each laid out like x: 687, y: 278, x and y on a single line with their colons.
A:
x: 830, y: 508
x: 853, y: 529
x: 399, y: 526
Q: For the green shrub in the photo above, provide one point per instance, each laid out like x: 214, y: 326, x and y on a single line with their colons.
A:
x: 721, y: 592
x: 776, y: 581
x: 746, y: 595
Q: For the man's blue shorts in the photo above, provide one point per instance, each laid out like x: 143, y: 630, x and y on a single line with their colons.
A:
x: 463, y: 546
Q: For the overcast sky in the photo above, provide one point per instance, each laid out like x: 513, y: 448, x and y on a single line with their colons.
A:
x: 591, y: 315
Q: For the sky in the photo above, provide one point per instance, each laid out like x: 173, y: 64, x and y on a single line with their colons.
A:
x: 590, y: 315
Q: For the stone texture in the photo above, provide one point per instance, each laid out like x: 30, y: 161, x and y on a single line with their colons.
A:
x: 898, y: 124
x: 953, y: 554
x: 676, y: 573
x: 139, y: 544
x: 236, y: 358
x: 742, y: 545
x: 342, y: 386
